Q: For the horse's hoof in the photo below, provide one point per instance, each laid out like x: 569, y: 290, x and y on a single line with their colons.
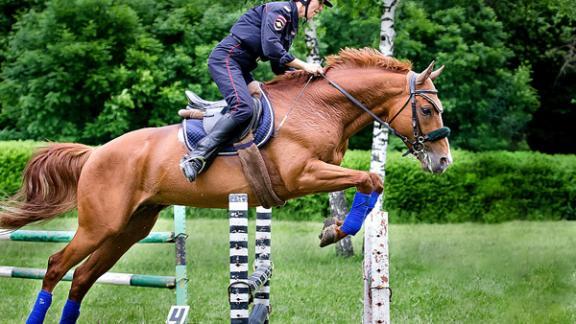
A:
x: 329, y: 235
x: 329, y: 221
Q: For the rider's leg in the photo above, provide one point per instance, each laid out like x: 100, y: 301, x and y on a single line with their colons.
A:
x: 228, y: 75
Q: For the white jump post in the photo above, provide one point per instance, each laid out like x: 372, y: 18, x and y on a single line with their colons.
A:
x: 377, y: 291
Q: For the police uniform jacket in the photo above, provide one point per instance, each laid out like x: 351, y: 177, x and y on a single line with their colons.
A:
x: 267, y: 32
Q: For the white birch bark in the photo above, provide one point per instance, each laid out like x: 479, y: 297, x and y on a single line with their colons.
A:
x: 311, y: 38
x: 376, y: 258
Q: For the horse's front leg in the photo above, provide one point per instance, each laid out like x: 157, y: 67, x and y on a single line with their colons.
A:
x: 320, y: 176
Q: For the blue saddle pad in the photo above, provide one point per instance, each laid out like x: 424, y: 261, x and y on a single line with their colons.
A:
x: 194, y: 131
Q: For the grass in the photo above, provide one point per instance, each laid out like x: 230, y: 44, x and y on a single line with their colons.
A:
x: 517, y: 272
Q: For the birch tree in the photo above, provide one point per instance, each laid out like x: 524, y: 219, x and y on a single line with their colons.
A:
x: 376, y: 259
x: 380, y: 133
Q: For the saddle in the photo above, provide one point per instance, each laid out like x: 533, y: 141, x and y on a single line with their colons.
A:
x: 211, y: 111
x: 201, y: 116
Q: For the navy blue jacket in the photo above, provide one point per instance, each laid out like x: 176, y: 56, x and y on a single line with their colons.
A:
x: 267, y: 31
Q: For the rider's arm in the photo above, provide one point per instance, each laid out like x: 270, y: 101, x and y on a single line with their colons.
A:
x: 277, y: 68
x: 273, y: 23
x: 297, y: 63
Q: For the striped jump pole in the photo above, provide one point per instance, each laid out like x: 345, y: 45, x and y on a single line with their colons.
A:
x: 180, y: 242
x: 178, y: 282
x: 243, y: 288
x: 263, y: 261
x: 66, y: 236
x: 112, y: 278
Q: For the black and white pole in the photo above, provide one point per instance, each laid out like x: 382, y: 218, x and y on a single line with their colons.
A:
x: 238, y: 290
x: 243, y: 288
x: 263, y: 261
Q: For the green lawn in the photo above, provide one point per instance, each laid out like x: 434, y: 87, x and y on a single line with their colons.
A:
x: 519, y: 272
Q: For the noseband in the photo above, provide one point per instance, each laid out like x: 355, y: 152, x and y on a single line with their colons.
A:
x: 416, y: 146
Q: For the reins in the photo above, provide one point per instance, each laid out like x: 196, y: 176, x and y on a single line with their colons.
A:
x: 292, y: 106
x: 415, y: 147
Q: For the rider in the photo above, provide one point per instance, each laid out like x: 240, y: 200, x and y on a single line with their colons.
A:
x: 264, y: 32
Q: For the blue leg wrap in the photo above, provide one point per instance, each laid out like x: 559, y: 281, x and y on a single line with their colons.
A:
x: 40, y: 308
x: 357, y: 214
x: 373, y: 199
x: 70, y: 313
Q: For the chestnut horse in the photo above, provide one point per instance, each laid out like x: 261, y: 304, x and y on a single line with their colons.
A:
x: 119, y: 188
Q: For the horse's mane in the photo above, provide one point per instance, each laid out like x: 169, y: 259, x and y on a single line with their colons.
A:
x: 350, y: 58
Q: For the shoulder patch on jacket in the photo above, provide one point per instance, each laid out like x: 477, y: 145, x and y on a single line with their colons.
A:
x: 279, y: 23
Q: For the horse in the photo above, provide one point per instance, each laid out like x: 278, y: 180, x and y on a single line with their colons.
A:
x: 119, y: 188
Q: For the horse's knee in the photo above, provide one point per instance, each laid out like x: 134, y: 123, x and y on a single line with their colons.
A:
x: 377, y: 182
x: 364, y: 183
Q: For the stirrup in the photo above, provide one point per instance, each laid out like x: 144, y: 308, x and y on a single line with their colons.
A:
x: 189, y: 165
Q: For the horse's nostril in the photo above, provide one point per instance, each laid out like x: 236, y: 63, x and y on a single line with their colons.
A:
x: 444, y: 161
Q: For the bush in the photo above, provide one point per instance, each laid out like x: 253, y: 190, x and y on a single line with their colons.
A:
x: 482, y: 187
x: 13, y: 159
x: 479, y: 187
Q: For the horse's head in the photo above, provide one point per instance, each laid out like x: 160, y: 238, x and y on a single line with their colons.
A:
x: 409, y: 104
x: 418, y: 121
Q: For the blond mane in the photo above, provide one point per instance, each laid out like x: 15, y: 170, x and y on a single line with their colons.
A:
x: 354, y: 58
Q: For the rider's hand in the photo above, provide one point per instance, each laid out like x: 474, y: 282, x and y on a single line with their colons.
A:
x: 313, y: 68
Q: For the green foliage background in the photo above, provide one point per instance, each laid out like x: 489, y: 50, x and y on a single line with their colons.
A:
x: 91, y: 70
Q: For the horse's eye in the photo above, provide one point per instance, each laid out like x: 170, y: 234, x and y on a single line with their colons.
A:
x: 426, y: 111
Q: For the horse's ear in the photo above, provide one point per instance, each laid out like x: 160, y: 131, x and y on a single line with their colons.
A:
x: 425, y: 74
x: 436, y: 73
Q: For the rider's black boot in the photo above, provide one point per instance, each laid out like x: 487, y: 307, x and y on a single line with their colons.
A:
x: 207, y: 148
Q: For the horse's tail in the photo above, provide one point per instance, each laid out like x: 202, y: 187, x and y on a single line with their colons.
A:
x: 49, y: 185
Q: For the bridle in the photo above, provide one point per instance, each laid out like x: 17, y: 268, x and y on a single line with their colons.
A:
x: 415, y: 147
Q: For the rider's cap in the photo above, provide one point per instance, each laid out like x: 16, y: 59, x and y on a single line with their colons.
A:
x: 327, y: 3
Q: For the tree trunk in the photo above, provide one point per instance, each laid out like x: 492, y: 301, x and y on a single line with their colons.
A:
x: 338, y: 206
x: 311, y: 38
x: 377, y: 291
x: 380, y: 133
x: 387, y: 32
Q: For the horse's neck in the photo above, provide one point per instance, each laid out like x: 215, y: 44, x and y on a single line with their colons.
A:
x: 322, y: 110
x: 375, y: 88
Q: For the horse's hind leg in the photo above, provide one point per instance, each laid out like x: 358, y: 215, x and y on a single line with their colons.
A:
x: 83, y: 243
x: 108, y: 253
x: 97, y: 221
x: 105, y: 257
